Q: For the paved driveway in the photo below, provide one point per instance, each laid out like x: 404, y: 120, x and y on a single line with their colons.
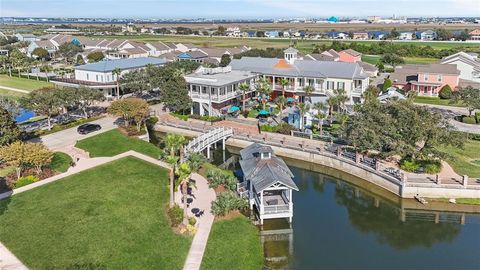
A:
x: 449, y: 112
x: 68, y: 137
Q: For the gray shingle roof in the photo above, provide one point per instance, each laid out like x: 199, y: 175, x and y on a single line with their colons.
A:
x: 306, y: 68
x: 263, y: 173
x: 128, y: 63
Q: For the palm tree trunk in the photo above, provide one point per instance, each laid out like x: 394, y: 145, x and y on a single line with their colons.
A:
x: 243, y: 101
x: 49, y: 123
x: 184, y: 193
x: 172, y: 176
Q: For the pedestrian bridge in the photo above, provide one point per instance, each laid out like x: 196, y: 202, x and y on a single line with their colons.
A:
x: 206, y: 140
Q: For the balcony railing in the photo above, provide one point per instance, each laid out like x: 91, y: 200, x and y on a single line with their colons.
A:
x: 276, y: 209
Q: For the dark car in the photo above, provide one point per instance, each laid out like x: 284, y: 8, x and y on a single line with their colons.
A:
x: 87, y: 128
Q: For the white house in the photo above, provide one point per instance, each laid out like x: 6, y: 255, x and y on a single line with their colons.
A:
x: 26, y: 37
x: 100, y: 75
x: 428, y: 35
x: 468, y: 65
x: 323, y: 76
x: 213, y: 89
x: 406, y: 36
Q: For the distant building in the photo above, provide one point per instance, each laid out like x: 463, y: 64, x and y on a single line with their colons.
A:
x: 26, y: 37
x: 99, y: 75
x: 406, y: 36
x: 373, y: 19
x: 428, y: 35
x: 350, y: 56
x: 426, y: 80
x: 195, y: 56
x: 64, y: 31
x: 474, y: 35
x: 360, y: 35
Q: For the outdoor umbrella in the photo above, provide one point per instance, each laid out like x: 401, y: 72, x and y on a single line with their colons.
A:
x: 233, y: 108
x: 290, y: 99
x: 263, y: 113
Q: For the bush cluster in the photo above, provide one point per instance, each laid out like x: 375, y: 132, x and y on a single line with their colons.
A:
x: 469, y: 120
x: 26, y: 180
x: 429, y: 166
x: 283, y: 128
x: 217, y: 177
x: 175, y: 214
x: 226, y: 202
x: 446, y: 92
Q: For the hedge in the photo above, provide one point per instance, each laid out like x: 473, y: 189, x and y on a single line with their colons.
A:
x: 469, y: 120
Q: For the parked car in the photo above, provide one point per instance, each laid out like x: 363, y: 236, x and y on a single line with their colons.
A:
x: 87, y: 128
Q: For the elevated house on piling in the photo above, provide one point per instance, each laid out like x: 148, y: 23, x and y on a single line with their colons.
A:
x: 268, y: 182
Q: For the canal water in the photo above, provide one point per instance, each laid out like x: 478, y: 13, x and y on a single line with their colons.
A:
x: 341, y: 223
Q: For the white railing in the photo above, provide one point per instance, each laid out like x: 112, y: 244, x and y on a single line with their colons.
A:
x: 276, y: 209
x: 201, y: 142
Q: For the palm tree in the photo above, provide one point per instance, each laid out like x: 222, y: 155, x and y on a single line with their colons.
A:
x: 303, y: 107
x: 308, y: 90
x: 173, y: 143
x: 244, y: 87
x: 117, y: 71
x: 332, y: 102
x: 341, y: 97
x: 263, y: 88
x: 281, y: 101
x: 284, y: 82
x: 184, y: 172
x: 320, y: 107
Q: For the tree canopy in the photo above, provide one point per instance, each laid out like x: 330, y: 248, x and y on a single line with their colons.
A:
x: 468, y: 96
x: 9, y: 131
x: 44, y: 101
x: 95, y: 56
x: 400, y: 128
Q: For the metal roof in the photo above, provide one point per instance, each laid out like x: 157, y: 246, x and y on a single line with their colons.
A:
x: 123, y: 64
x: 305, y: 68
x: 264, y: 173
x: 218, y: 78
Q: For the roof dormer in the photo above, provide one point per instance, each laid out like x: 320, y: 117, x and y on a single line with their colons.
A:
x: 290, y: 54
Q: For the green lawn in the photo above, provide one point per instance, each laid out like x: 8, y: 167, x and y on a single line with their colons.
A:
x: 465, y: 161
x: 60, y: 162
x: 21, y: 83
x: 435, y: 101
x: 11, y: 94
x: 233, y: 244
x: 108, y: 217
x: 374, y: 59
x: 113, y: 142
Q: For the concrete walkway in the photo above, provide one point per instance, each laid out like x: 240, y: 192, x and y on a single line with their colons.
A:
x: 202, y: 197
x: 8, y: 261
x: 14, y: 89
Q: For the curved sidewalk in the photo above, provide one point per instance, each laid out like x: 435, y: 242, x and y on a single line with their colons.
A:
x: 203, y: 196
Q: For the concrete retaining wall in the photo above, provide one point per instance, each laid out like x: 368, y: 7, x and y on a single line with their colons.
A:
x: 369, y: 175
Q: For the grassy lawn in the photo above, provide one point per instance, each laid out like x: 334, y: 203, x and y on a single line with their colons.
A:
x: 109, y: 217
x: 113, y: 142
x: 465, y: 161
x: 470, y: 201
x: 60, y: 162
x: 435, y: 101
x: 233, y: 244
x: 11, y: 94
x: 374, y: 59
x: 21, y: 83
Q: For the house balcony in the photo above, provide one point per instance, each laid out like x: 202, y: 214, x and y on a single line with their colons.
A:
x: 357, y: 91
x: 214, y: 97
x: 274, y: 205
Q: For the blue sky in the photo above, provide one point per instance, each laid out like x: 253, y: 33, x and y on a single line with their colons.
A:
x: 236, y: 8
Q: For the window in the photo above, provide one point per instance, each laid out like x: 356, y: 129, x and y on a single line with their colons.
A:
x: 340, y: 85
x: 439, y: 77
x: 204, y: 90
x: 425, y: 77
x: 96, y: 77
x: 87, y: 76
x: 330, y: 85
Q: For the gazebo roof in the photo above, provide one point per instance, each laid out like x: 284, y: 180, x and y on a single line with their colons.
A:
x: 265, y: 172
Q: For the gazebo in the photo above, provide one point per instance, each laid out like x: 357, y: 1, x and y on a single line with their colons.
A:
x: 269, y: 182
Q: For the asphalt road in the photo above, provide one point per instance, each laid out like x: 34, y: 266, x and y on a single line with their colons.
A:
x: 68, y: 137
x: 449, y: 111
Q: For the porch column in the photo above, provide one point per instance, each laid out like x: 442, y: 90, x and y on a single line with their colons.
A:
x: 210, y: 102
x: 261, y: 203
x: 295, y: 83
x: 273, y: 82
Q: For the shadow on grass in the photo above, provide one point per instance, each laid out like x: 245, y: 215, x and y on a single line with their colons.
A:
x: 80, y: 266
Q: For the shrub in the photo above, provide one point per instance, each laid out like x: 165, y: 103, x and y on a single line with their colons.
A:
x: 217, y: 177
x: 429, y: 166
x: 196, y: 161
x: 26, y: 180
x: 245, y: 113
x: 183, y: 117
x: 469, y: 120
x: 175, y: 214
x: 477, y: 117
x: 226, y: 202
x: 151, y: 121
x: 192, y: 221
x: 445, y: 92
x: 386, y: 84
x: 206, y: 118
x: 283, y: 128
